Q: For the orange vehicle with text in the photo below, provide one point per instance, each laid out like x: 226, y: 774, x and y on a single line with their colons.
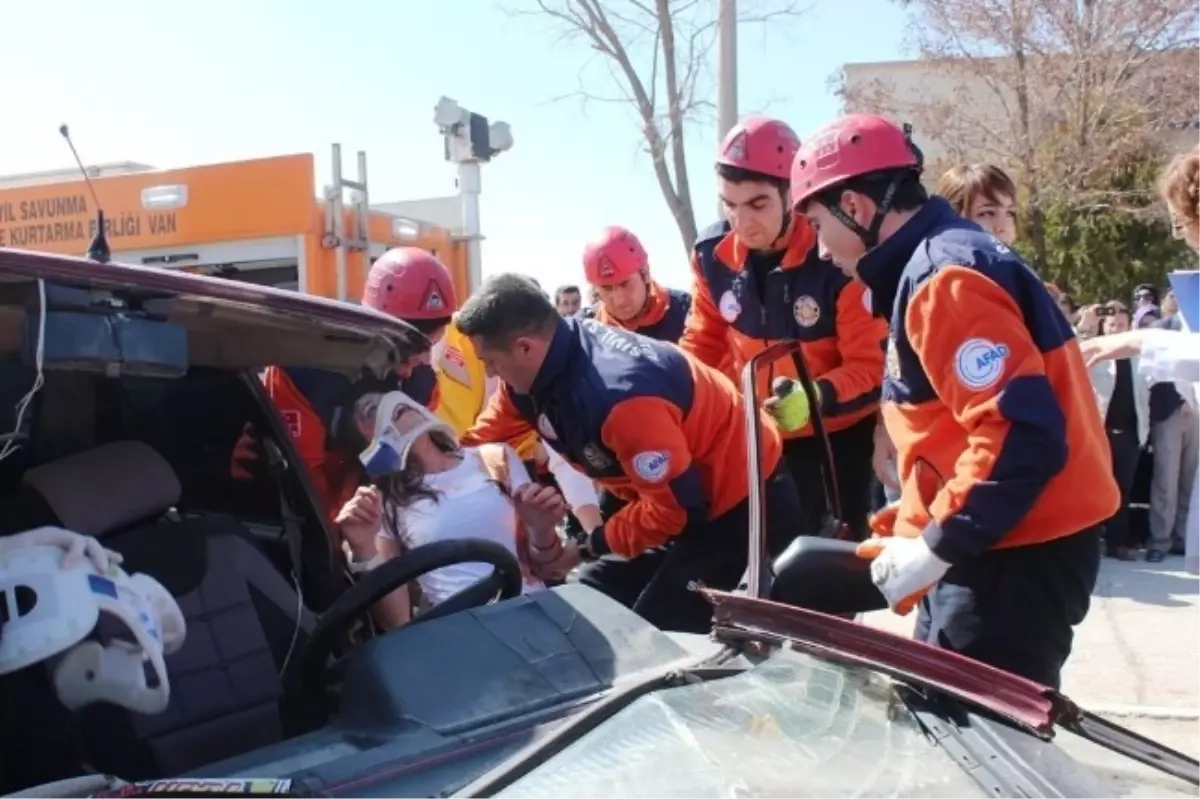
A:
x: 261, y: 221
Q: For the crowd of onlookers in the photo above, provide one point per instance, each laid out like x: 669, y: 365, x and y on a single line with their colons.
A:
x: 1152, y: 429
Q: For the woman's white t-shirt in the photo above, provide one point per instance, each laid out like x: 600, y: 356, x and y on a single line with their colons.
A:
x: 469, y: 505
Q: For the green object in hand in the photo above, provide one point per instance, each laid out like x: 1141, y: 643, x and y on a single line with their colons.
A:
x: 789, y: 407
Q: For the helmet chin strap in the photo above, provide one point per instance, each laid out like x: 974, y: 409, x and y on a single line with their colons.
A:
x: 869, y: 235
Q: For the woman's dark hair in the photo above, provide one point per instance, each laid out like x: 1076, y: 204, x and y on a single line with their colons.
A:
x: 401, y: 489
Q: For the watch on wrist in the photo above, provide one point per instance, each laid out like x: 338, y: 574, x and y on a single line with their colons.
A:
x: 593, y: 545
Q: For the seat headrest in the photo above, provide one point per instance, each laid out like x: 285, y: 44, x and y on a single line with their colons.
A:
x: 107, y: 488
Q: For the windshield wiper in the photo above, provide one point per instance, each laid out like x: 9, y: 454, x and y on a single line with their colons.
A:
x: 538, y: 753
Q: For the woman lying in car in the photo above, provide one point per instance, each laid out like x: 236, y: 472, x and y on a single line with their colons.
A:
x: 427, y: 488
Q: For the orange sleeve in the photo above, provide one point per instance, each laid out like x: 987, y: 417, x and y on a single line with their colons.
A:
x: 706, y: 333
x: 982, y: 363
x: 646, y: 434
x: 499, y: 423
x: 861, y: 336
x: 301, y: 422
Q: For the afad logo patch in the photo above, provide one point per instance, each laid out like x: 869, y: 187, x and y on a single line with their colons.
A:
x: 729, y: 307
x: 979, y: 363
x: 652, y: 465
x: 434, y: 300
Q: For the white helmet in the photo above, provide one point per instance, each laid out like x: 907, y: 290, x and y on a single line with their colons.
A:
x: 53, y: 615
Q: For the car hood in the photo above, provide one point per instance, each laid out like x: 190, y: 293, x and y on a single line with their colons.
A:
x: 230, y: 324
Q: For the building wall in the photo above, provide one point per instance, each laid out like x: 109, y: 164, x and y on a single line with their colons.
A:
x: 949, y: 106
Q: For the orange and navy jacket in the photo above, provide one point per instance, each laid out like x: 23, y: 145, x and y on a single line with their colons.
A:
x: 999, y: 441
x: 312, y: 403
x: 663, y: 318
x: 648, y: 423
x: 802, y: 297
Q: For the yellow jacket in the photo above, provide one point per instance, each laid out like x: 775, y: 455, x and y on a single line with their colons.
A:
x: 462, y: 384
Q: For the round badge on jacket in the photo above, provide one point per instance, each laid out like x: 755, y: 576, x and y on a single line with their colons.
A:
x: 806, y: 311
x: 729, y: 307
x: 979, y: 363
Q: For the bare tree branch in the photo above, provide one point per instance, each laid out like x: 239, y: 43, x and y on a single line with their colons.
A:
x: 658, y: 57
x: 1058, y: 90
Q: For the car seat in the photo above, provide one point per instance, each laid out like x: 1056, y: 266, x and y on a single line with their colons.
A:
x: 244, y: 619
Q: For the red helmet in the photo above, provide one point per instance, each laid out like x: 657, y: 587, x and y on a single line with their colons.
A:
x: 853, y: 145
x: 613, y: 256
x: 760, y: 144
x: 410, y: 283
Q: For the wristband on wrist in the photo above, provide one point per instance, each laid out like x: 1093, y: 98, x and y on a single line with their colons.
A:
x: 363, y: 566
x: 594, y: 545
x: 534, y: 551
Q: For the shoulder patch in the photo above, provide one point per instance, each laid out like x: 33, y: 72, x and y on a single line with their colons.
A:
x: 979, y: 363
x: 652, y: 465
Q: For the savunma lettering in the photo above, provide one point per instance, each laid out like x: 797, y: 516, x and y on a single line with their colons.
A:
x: 52, y: 207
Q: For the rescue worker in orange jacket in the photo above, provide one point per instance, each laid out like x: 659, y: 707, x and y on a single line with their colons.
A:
x: 316, y: 405
x: 758, y: 280
x: 615, y: 263
x: 1002, y: 455
x: 655, y: 427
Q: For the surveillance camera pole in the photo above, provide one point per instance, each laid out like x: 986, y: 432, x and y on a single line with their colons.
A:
x: 469, y: 185
x: 470, y: 141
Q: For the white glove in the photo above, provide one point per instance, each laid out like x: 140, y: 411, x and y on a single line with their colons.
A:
x: 903, y: 569
x: 77, y: 547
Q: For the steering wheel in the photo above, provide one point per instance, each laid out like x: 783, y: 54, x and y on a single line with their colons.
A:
x: 505, y: 581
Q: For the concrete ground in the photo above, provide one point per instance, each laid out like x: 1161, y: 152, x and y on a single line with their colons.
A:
x: 1137, y: 654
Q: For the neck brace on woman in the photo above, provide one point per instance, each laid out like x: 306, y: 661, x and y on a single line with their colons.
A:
x: 389, y: 448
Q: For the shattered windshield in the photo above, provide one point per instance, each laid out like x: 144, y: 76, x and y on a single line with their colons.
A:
x: 794, y: 726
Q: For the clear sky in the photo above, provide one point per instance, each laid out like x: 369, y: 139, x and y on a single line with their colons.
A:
x: 182, y: 83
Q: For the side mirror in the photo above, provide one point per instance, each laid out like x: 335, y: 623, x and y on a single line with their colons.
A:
x: 824, y: 574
